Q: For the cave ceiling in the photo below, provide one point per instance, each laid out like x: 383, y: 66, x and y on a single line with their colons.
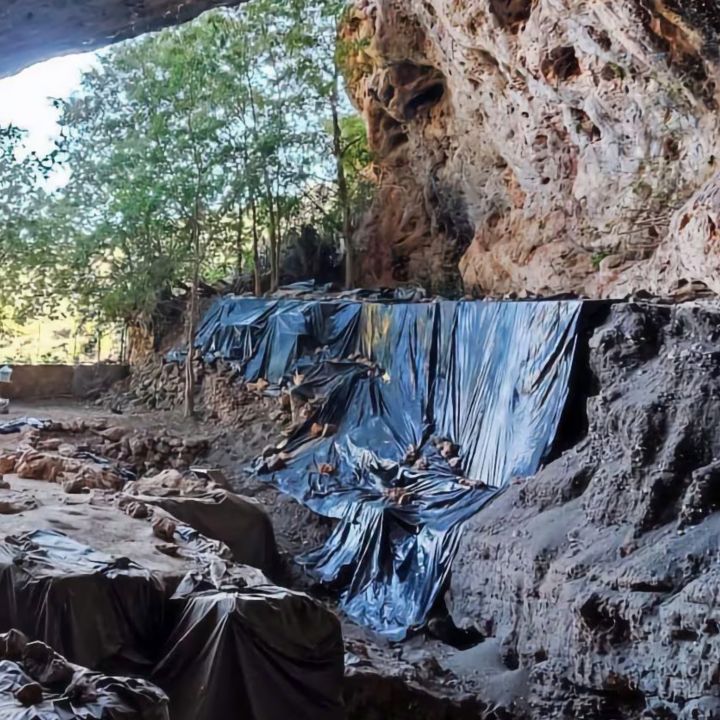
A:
x: 35, y: 30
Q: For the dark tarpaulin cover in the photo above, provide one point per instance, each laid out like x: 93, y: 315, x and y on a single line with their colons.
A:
x: 97, y: 611
x: 491, y: 377
x: 248, y: 649
x: 111, y: 698
x: 269, y: 338
x: 239, y: 522
x: 256, y: 653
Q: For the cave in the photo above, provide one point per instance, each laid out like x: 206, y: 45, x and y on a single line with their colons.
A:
x: 585, y: 587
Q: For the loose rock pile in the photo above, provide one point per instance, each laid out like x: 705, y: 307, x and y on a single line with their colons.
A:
x: 157, y: 384
x: 97, y: 456
x: 221, y: 394
x: 227, y: 400
x: 75, y: 475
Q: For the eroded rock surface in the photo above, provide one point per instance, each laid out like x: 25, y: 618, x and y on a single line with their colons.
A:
x: 541, y: 147
x: 600, y: 577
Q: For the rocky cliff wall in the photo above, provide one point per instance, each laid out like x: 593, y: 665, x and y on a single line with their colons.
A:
x: 598, y: 579
x: 541, y: 146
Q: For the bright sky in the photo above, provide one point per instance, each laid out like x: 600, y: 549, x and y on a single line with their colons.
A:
x: 25, y: 98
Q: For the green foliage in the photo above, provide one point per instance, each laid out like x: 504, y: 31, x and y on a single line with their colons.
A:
x: 180, y: 147
x: 597, y: 258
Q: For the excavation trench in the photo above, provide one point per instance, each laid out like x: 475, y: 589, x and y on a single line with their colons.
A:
x: 376, y: 437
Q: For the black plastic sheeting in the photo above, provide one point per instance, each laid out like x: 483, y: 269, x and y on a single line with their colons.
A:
x: 15, y: 426
x: 238, y: 648
x: 261, y: 653
x: 90, y: 696
x: 101, y: 612
x: 238, y: 522
x: 489, y: 377
x: 270, y: 339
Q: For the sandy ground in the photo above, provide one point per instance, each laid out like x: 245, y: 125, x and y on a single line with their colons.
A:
x: 62, y: 411
x: 90, y: 519
x: 232, y: 451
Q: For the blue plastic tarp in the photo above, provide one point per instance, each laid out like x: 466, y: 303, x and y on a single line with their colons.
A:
x: 401, y: 386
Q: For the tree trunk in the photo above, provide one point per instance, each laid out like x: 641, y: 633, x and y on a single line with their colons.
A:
x: 123, y: 342
x: 192, y: 320
x: 256, y: 249
x: 343, y: 194
x: 274, y: 254
x: 239, y: 242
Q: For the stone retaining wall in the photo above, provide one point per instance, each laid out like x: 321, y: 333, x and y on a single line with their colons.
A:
x: 33, y: 382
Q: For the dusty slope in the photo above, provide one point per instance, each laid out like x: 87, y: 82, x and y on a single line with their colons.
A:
x: 543, y: 146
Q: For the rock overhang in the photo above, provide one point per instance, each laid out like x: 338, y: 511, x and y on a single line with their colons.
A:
x: 35, y: 30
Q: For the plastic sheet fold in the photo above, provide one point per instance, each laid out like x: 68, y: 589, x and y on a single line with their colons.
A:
x: 240, y: 647
x: 434, y: 408
x: 15, y: 426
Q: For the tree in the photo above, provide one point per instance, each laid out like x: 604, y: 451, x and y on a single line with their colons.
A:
x: 142, y: 141
x: 192, y: 153
x: 21, y: 198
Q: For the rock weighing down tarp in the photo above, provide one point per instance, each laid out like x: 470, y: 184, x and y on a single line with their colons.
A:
x: 489, y: 377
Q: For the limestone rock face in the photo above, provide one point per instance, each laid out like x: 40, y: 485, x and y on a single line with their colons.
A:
x: 540, y: 145
x: 35, y: 30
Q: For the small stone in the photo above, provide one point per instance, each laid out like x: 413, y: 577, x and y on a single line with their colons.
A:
x: 30, y: 694
x: 7, y: 463
x: 50, y: 445
x: 448, y: 450
x: 166, y: 549
x: 164, y: 528
x: 67, y: 450
x: 74, y: 485
x: 114, y: 434
x: 16, y: 505
x: 259, y: 386
x: 138, y: 510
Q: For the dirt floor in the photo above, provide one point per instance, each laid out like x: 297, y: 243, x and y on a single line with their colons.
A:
x: 420, y: 678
